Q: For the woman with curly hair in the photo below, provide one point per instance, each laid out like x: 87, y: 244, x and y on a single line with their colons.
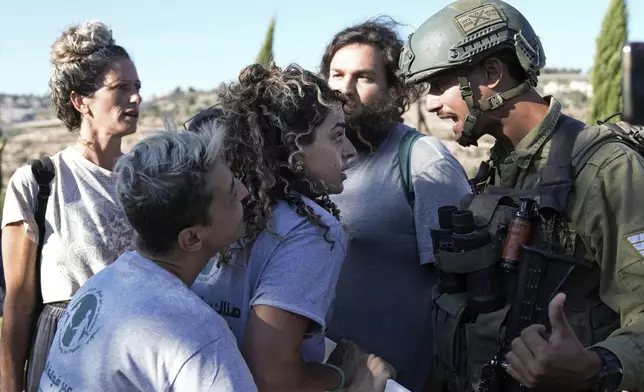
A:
x: 95, y: 93
x: 286, y: 142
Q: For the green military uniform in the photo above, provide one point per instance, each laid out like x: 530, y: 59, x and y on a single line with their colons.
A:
x: 599, y: 218
x: 605, y: 210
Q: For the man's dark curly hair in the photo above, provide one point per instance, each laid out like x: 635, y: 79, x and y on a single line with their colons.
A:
x: 380, y: 33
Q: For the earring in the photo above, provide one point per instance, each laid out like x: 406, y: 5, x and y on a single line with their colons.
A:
x: 298, y: 166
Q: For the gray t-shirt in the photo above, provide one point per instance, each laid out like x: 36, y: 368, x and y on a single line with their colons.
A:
x: 293, y: 269
x: 136, y: 327
x: 383, y: 298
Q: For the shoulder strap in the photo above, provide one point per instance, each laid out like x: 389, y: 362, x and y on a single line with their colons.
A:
x: 611, y: 133
x: 404, y: 162
x: 557, y: 177
x: 43, y: 171
x: 573, y: 144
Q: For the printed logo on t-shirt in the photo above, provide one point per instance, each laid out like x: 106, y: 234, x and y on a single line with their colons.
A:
x: 55, y: 380
x: 79, y: 324
x: 209, y: 271
x: 99, y: 234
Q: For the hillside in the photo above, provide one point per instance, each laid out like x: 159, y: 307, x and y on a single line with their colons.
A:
x: 31, y: 131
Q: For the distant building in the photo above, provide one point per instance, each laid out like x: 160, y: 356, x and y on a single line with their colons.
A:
x: 13, y: 115
x: 555, y: 87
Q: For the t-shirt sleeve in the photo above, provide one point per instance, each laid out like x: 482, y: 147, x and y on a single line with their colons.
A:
x: 218, y: 366
x: 438, y: 179
x: 19, y: 201
x: 301, y: 274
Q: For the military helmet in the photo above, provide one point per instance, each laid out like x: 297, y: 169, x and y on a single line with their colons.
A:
x: 466, y: 31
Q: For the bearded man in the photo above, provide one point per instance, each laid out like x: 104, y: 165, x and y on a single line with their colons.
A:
x: 383, y: 297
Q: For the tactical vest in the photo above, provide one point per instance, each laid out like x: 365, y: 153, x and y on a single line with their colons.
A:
x: 470, y: 322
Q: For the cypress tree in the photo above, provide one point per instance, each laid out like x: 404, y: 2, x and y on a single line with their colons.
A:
x: 265, y: 56
x: 606, y: 75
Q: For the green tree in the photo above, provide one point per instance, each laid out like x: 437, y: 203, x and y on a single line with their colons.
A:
x: 606, y: 76
x: 178, y: 92
x: 265, y: 56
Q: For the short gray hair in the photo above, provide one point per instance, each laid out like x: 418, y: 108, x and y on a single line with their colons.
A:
x: 163, y: 183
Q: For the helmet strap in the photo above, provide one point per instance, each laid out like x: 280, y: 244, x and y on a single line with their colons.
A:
x: 497, y: 100
x: 467, y: 137
x: 494, y: 102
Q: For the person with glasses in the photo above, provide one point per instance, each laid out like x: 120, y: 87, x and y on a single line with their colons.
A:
x: 95, y: 92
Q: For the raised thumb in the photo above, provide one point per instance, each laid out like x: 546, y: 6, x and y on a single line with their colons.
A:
x: 557, y: 316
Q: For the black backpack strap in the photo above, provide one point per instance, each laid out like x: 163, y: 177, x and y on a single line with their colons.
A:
x: 404, y: 162
x: 43, y: 171
x: 557, y: 177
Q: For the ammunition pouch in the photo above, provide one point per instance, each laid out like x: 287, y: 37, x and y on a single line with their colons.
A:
x: 466, y: 338
x: 468, y: 262
x: 450, y: 344
x: 460, y: 326
x: 463, y: 344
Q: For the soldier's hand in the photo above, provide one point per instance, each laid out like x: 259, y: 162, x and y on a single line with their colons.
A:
x: 558, y: 361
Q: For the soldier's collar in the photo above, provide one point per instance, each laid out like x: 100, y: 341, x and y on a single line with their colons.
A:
x: 527, y: 148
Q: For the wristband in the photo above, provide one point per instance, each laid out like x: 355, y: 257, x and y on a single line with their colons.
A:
x: 342, y: 378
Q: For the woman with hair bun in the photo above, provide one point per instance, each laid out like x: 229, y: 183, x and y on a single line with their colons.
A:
x: 94, y: 88
x: 286, y: 142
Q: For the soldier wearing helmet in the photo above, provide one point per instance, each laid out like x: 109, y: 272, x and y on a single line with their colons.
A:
x: 481, y: 61
x: 457, y: 39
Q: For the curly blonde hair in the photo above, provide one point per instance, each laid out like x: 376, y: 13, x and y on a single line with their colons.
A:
x: 269, y: 115
x: 80, y: 56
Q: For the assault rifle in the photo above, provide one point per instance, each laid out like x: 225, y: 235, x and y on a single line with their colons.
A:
x: 540, y: 274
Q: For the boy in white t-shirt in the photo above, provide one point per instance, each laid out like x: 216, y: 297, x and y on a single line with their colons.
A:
x: 136, y: 325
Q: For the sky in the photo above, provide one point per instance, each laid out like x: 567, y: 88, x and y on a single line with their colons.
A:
x: 201, y: 43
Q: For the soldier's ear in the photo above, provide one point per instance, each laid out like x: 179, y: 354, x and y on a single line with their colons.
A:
x: 493, y: 72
